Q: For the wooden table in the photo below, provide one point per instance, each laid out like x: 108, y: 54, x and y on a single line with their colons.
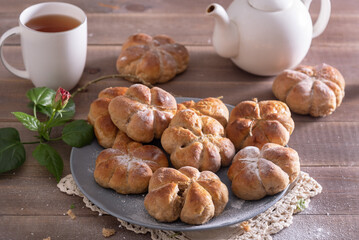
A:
x: 31, y: 206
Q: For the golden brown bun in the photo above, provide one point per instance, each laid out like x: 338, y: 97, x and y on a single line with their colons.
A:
x: 152, y: 59
x: 143, y: 113
x: 197, y: 141
x: 256, y: 173
x: 315, y: 90
x: 194, y: 197
x: 128, y: 167
x: 212, y: 107
x: 98, y: 108
x: 112, y: 92
x: 253, y: 123
x: 99, y: 116
x: 105, y: 131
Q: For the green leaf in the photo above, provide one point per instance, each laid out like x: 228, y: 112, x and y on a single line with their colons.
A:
x: 64, y: 115
x: 42, y: 109
x: 12, y: 152
x: 43, y: 131
x: 30, y: 122
x: 41, y: 96
x: 48, y: 157
x: 78, y: 133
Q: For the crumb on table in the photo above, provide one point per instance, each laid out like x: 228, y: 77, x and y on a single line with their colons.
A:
x: 71, y: 214
x: 245, y: 226
x: 48, y: 238
x: 108, y: 232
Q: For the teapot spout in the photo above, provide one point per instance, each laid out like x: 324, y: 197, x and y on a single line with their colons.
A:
x: 225, y: 34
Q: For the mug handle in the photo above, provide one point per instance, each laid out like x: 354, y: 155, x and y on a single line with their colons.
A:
x: 323, y: 17
x: 8, y: 33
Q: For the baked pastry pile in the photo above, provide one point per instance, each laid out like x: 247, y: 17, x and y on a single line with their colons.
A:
x: 254, y: 123
x: 315, y: 90
x: 197, y: 140
x: 256, y: 172
x: 128, y: 166
x: 194, y: 197
x: 152, y: 59
x: 195, y: 135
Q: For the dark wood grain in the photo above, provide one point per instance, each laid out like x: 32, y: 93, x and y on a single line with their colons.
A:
x: 321, y: 227
x: 62, y: 227
x: 150, y: 7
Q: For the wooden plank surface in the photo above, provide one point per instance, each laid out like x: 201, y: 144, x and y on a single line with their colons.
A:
x: 321, y: 227
x: 160, y: 6
x: 204, y: 62
x: 188, y: 29
x: 33, y: 208
x: 62, y: 227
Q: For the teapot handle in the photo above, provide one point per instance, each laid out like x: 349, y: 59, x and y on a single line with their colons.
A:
x: 323, y: 18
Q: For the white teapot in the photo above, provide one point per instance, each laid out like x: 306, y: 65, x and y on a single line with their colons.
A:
x: 264, y: 37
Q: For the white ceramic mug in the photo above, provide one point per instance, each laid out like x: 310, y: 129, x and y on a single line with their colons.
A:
x: 51, y: 59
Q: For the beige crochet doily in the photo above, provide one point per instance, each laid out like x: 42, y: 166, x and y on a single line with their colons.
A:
x: 262, y: 226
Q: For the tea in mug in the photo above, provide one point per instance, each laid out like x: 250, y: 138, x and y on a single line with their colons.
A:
x: 53, y: 23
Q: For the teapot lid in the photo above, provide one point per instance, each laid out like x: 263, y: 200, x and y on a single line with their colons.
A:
x: 270, y: 5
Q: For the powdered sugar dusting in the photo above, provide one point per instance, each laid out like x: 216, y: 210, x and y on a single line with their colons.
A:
x: 237, y: 204
x: 124, y: 58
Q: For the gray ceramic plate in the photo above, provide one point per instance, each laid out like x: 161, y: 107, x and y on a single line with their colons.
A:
x: 130, y: 208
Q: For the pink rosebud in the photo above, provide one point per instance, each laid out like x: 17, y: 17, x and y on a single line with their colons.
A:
x: 61, y: 99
